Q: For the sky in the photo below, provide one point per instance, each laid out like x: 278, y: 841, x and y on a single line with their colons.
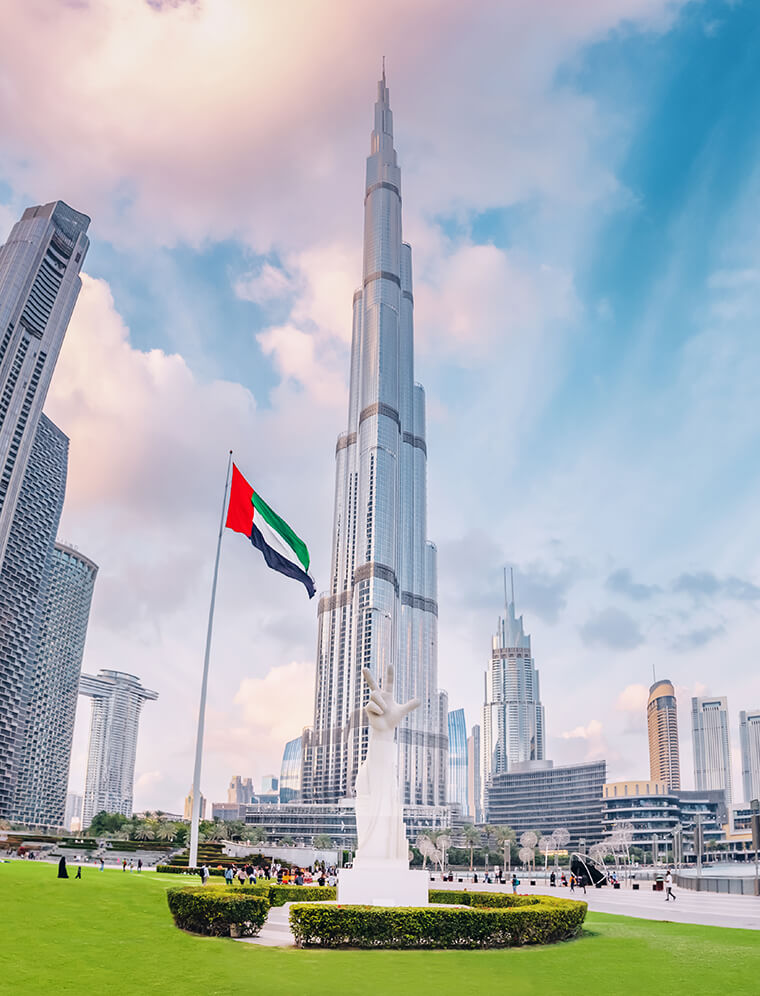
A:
x: 581, y: 188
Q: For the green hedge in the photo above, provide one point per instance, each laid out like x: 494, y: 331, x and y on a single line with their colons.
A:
x: 278, y: 895
x: 539, y: 922
x: 218, y: 912
x: 482, y: 899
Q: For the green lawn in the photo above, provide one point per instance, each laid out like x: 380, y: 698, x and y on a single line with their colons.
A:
x: 112, y: 932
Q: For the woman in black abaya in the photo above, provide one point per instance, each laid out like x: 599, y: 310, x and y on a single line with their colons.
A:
x: 62, y: 873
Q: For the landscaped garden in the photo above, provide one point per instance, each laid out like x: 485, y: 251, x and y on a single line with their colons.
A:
x: 112, y: 932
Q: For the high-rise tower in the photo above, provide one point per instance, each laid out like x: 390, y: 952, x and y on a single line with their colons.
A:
x: 458, y: 761
x: 55, y: 663
x: 39, y: 286
x: 513, y: 716
x: 749, y: 741
x: 117, y: 700
x: 24, y: 577
x: 381, y: 608
x: 662, y: 724
x: 710, y: 740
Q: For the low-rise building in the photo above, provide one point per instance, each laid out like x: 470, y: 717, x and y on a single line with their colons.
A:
x: 537, y: 795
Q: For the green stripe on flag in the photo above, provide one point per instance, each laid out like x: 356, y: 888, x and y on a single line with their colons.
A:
x: 280, y: 526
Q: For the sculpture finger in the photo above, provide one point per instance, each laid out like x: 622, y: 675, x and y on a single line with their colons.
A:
x: 409, y: 706
x: 389, y: 678
x: 377, y: 698
x: 374, y: 708
x: 369, y: 679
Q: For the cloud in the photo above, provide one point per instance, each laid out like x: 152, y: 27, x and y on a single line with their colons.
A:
x: 277, y: 706
x: 633, y: 699
x: 612, y: 628
x: 256, y: 114
x: 585, y: 743
x: 622, y: 583
x: 704, y: 584
x: 697, y: 638
x: 269, y: 283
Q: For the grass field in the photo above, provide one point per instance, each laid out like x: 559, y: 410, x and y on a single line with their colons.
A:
x: 112, y: 932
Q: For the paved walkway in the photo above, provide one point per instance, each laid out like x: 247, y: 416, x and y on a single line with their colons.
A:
x: 708, y: 908
x: 704, y: 908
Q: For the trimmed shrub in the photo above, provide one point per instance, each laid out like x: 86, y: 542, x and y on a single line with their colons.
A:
x: 535, y: 922
x: 218, y: 912
x: 481, y: 899
x: 278, y: 895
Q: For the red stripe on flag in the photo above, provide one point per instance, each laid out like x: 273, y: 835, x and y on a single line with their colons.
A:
x: 240, y: 510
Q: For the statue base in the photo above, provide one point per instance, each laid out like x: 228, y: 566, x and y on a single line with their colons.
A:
x: 382, y: 885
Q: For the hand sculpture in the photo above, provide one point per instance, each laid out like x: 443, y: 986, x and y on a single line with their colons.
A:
x: 383, y: 712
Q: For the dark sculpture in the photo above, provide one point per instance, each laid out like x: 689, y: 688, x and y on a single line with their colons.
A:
x: 586, y: 871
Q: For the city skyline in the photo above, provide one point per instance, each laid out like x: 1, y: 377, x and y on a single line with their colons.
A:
x: 585, y: 299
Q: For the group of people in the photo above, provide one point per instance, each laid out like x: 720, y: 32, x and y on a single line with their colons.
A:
x: 249, y: 874
x: 132, y: 866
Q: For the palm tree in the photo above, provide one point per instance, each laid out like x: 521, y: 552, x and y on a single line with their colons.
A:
x: 488, y: 834
x: 425, y: 846
x: 257, y: 835
x: 143, y: 832
x: 166, y: 831
x: 471, y: 839
x: 505, y: 836
x: 322, y: 841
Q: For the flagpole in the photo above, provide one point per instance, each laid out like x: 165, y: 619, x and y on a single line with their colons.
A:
x: 194, y: 823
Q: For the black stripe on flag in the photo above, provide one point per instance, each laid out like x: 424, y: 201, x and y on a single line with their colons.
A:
x: 279, y: 563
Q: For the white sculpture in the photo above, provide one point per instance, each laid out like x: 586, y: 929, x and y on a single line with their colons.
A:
x: 381, y: 875
x: 379, y: 814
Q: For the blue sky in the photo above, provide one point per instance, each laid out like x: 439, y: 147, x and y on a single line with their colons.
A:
x: 581, y: 189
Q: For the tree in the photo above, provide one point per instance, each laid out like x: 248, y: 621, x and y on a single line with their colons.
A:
x: 471, y: 839
x: 235, y: 829
x: 257, y: 835
x: 322, y: 841
x: 488, y: 835
x: 442, y: 843
x: 426, y: 847
x: 505, y: 837
x: 286, y: 841
x: 143, y: 832
x: 166, y: 830
x: 104, y: 823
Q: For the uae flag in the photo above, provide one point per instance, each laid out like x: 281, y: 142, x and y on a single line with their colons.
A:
x: 250, y: 515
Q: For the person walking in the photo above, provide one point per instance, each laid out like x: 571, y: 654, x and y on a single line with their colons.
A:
x: 669, y: 894
x: 102, y: 864
x: 62, y: 873
x: 515, y: 883
x: 79, y: 872
x: 204, y: 874
x: 139, y: 864
x: 572, y: 883
x: 228, y: 875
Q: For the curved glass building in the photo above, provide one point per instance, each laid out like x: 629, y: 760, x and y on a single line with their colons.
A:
x: 458, y: 781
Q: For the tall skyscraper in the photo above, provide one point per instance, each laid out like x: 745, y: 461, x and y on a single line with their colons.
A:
x: 240, y: 791
x: 662, y: 723
x: 513, y: 717
x: 72, y: 817
x: 381, y: 608
x: 710, y: 740
x: 39, y: 285
x: 24, y: 576
x: 474, y: 782
x: 117, y: 700
x: 187, y: 809
x: 290, y: 772
x: 749, y: 739
x: 458, y: 761
x: 55, y: 663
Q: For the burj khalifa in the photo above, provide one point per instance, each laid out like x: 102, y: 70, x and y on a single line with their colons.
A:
x: 381, y: 609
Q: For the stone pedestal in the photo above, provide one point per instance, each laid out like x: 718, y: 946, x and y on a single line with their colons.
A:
x: 376, y: 885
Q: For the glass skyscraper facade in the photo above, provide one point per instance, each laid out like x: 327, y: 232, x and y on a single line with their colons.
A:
x: 290, y: 771
x: 39, y: 285
x: 536, y: 795
x: 117, y: 700
x: 749, y: 742
x: 24, y: 577
x: 381, y: 608
x: 458, y: 781
x: 513, y: 717
x: 711, y: 744
x: 474, y: 782
x: 55, y: 666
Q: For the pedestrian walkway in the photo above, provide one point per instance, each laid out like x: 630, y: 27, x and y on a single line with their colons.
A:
x: 276, y: 932
x: 707, y: 908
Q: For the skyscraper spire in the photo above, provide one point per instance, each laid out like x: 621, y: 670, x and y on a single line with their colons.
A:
x: 381, y: 608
